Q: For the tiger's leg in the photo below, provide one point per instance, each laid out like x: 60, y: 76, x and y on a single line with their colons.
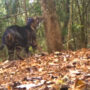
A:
x: 18, y: 50
x: 11, y: 54
x: 27, y: 52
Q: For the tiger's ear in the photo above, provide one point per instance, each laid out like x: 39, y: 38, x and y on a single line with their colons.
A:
x: 30, y: 20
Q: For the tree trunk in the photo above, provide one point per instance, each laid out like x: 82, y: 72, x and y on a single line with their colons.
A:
x: 64, y: 29
x: 83, y: 30
x: 26, y: 16
x: 52, y: 26
x: 82, y: 12
x: 69, y: 26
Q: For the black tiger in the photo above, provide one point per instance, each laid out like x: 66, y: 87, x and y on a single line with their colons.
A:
x: 16, y: 37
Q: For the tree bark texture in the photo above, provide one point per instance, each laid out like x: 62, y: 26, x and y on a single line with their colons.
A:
x: 52, y: 26
x: 82, y: 12
x: 26, y: 16
x: 69, y: 26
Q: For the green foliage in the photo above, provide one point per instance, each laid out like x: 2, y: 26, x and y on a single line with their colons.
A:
x: 77, y: 26
x: 35, y: 9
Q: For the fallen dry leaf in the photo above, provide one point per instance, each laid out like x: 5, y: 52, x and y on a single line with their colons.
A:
x: 55, y: 71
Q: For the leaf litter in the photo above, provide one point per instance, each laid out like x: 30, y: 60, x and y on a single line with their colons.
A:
x: 66, y: 70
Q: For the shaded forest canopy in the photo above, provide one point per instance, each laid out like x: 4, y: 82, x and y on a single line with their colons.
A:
x: 72, y: 15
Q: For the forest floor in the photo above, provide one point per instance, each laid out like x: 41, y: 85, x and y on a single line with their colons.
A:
x: 66, y: 70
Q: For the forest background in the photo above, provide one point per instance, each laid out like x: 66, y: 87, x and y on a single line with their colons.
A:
x: 73, y: 17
